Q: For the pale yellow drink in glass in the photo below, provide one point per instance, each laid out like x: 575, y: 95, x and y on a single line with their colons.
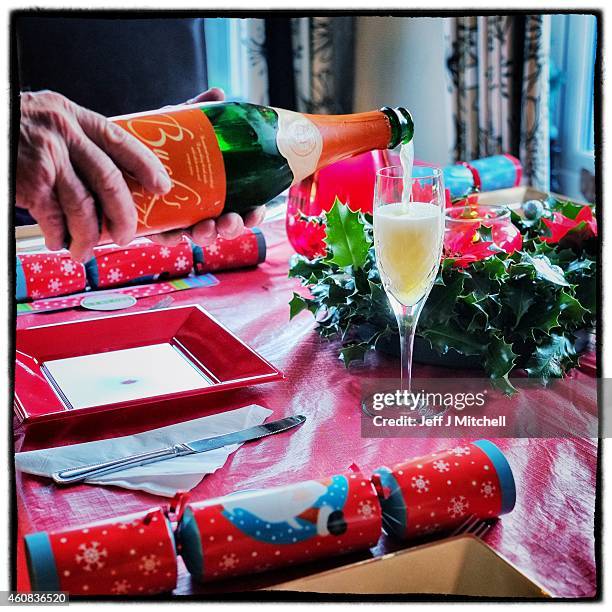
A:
x: 408, y: 242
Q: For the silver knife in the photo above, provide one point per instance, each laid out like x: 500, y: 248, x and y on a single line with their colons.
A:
x: 74, y: 475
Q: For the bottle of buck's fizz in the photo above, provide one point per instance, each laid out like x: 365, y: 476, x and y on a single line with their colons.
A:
x: 230, y: 156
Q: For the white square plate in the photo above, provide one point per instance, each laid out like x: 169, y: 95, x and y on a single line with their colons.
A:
x: 124, y: 375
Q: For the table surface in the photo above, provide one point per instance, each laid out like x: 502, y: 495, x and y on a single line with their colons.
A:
x: 549, y: 535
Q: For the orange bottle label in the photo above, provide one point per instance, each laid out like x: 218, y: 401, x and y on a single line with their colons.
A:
x: 185, y: 142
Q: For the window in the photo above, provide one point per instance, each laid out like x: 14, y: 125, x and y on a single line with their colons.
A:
x: 573, y: 52
x: 234, y: 60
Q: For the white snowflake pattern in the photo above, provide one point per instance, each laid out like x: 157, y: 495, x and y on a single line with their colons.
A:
x: 91, y: 556
x: 36, y: 267
x: 115, y: 275
x: 441, y: 466
x: 213, y: 249
x: 134, y: 523
x: 488, y: 489
x: 55, y: 284
x: 229, y: 561
x: 366, y: 509
x: 181, y: 263
x: 458, y: 506
x: 35, y: 294
x: 121, y: 587
x: 164, y: 252
x: 246, y: 247
x: 149, y: 564
x: 420, y: 483
x: 460, y: 451
x: 68, y: 267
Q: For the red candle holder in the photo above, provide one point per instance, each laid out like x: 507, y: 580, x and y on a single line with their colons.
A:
x: 351, y: 181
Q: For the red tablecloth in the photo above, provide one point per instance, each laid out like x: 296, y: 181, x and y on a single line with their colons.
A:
x: 549, y: 535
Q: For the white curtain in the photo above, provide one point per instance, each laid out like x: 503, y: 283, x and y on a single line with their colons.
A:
x: 249, y: 60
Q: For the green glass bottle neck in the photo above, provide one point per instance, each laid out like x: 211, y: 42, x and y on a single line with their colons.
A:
x: 402, y: 125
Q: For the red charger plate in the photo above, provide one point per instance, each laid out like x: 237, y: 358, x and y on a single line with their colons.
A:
x: 220, y: 355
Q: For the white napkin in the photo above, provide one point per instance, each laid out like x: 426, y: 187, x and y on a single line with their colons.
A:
x: 161, y: 478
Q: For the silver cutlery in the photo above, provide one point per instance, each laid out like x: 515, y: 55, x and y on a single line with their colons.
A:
x: 81, y: 473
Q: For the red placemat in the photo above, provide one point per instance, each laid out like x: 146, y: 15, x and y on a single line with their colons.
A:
x: 549, y: 535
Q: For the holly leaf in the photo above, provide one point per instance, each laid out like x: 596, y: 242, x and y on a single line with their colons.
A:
x: 300, y: 267
x: 494, y: 267
x: 450, y: 335
x: 337, y: 295
x: 439, y: 305
x: 482, y: 285
x: 377, y: 292
x: 296, y: 305
x: 551, y: 358
x: 485, y: 233
x: 566, y: 259
x: 567, y: 208
x: 500, y: 359
x: 480, y: 319
x: 579, y: 266
x: 571, y: 310
x: 586, y: 292
x: 547, y: 271
x: 347, y: 242
x: 353, y: 352
x: 539, y: 266
x: 518, y: 297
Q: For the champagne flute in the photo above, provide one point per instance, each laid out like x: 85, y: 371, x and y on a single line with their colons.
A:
x: 408, y: 238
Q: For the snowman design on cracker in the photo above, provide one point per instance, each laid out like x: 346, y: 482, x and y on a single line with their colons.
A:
x: 290, y: 514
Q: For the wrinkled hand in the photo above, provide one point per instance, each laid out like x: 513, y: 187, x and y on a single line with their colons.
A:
x: 69, y: 158
x: 230, y: 225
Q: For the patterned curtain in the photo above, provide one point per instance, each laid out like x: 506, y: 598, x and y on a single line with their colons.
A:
x: 303, y: 63
x: 498, y: 69
x: 535, y: 141
x: 323, y: 63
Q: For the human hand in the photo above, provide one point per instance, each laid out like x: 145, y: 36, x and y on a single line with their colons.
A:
x: 229, y: 225
x: 70, y: 158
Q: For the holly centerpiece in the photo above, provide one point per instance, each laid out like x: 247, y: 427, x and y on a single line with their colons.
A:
x: 513, y: 290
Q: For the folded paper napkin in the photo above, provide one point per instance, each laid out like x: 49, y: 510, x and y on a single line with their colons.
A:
x: 161, y: 478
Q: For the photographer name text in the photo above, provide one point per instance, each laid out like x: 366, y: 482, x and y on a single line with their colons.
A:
x: 451, y: 420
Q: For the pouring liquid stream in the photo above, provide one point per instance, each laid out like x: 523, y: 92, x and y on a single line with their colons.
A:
x: 407, y: 162
x: 408, y: 237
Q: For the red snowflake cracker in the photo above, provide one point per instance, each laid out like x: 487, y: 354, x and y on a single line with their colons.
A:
x: 441, y: 490
x: 129, y: 556
x: 139, y: 262
x: 259, y: 530
x: 246, y: 250
x: 43, y: 275
x: 47, y: 275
